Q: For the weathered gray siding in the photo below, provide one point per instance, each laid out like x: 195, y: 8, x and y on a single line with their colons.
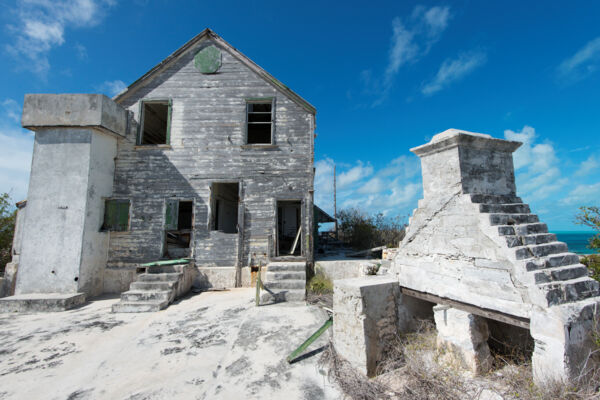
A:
x: 207, y: 139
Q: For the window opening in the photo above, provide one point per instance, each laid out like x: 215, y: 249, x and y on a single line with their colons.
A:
x: 179, y: 217
x: 289, y: 228
x: 224, y: 205
x: 260, y: 122
x: 116, y: 215
x: 155, y: 122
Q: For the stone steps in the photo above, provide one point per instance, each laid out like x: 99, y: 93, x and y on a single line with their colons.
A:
x: 162, y: 277
x: 156, y: 285
x: 554, y: 260
x: 532, y: 239
x: 540, y: 250
x: 139, y: 306
x: 560, y: 273
x: 146, y: 295
x: 154, y: 290
x: 275, y: 276
x: 509, y: 208
x: 512, y: 219
x: 571, y: 290
x: 285, y: 281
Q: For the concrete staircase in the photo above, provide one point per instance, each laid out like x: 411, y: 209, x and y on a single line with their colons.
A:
x: 285, y: 281
x: 547, y: 263
x: 155, y: 289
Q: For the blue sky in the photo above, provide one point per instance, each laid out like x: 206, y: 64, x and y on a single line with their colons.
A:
x: 384, y: 77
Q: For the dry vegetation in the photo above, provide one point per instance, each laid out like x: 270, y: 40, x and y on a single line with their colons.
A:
x: 412, y: 370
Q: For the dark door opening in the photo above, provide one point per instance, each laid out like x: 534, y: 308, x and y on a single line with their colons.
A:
x: 289, y: 228
x: 179, y: 216
x: 224, y: 203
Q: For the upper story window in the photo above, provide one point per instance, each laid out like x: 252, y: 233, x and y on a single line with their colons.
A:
x: 259, y: 117
x: 155, y: 122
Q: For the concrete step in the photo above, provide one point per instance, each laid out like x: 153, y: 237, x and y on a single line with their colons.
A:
x: 139, y: 306
x: 512, y: 219
x: 276, y: 296
x: 161, y: 277
x: 560, y: 273
x: 299, y: 284
x: 540, y: 250
x: 511, y: 208
x: 145, y: 295
x: 522, y: 229
x: 571, y: 290
x: 494, y: 199
x: 153, y: 286
x: 286, y: 266
x: 276, y: 276
x: 537, y: 238
x: 554, y: 260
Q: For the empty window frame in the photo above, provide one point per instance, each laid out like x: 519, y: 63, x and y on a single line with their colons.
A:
x: 116, y: 215
x: 224, y: 207
x: 259, y: 125
x: 155, y: 122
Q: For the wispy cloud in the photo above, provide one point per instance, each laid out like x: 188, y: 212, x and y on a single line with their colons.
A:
x: 40, y: 26
x: 592, y: 164
x: 111, y: 88
x: 412, y: 38
x: 583, y: 195
x: 582, y: 64
x: 453, y: 70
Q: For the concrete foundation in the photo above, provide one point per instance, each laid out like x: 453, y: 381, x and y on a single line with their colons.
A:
x: 365, y: 319
x: 41, y: 302
x: 462, y: 337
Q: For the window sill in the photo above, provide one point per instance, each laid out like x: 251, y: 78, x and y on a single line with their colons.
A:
x: 259, y: 146
x: 153, y: 146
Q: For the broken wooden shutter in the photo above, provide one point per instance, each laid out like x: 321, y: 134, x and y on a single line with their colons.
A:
x: 122, y: 218
x: 116, y: 215
x: 171, y: 214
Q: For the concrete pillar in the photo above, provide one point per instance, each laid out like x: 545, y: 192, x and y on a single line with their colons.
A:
x: 364, y: 319
x: 564, y: 337
x: 72, y: 172
x: 466, y: 162
x: 464, y: 338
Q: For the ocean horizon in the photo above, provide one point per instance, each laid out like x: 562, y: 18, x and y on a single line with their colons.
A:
x: 576, y: 240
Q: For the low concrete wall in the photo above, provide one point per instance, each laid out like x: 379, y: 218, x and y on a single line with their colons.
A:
x: 341, y: 269
x: 224, y: 277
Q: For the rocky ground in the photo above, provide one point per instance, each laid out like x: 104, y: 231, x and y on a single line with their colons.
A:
x: 213, y: 345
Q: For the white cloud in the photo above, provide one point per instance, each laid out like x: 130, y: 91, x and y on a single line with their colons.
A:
x: 12, y: 110
x: 453, y: 70
x: 582, y: 64
x: 590, y: 165
x: 523, y: 155
x: 412, y: 38
x: 40, y: 25
x: 583, y: 195
x: 112, y: 88
x: 354, y: 174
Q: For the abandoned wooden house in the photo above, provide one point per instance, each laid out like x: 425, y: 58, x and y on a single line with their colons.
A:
x: 206, y: 156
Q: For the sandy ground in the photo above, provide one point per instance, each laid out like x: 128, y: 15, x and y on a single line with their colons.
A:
x: 213, y: 345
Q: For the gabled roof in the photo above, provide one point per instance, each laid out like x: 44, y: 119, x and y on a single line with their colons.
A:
x: 207, y: 33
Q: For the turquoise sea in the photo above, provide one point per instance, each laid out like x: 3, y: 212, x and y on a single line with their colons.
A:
x: 577, y: 241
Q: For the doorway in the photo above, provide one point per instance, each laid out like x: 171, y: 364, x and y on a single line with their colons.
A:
x: 289, y: 228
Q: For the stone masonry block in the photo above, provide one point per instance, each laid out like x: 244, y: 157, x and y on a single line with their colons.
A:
x: 464, y: 336
x: 364, y: 319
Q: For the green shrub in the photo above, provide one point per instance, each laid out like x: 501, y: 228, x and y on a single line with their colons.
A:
x: 593, y: 263
x: 320, y: 284
x: 7, y: 229
x: 363, y: 231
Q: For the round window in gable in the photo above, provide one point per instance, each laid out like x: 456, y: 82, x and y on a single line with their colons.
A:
x: 208, y: 60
